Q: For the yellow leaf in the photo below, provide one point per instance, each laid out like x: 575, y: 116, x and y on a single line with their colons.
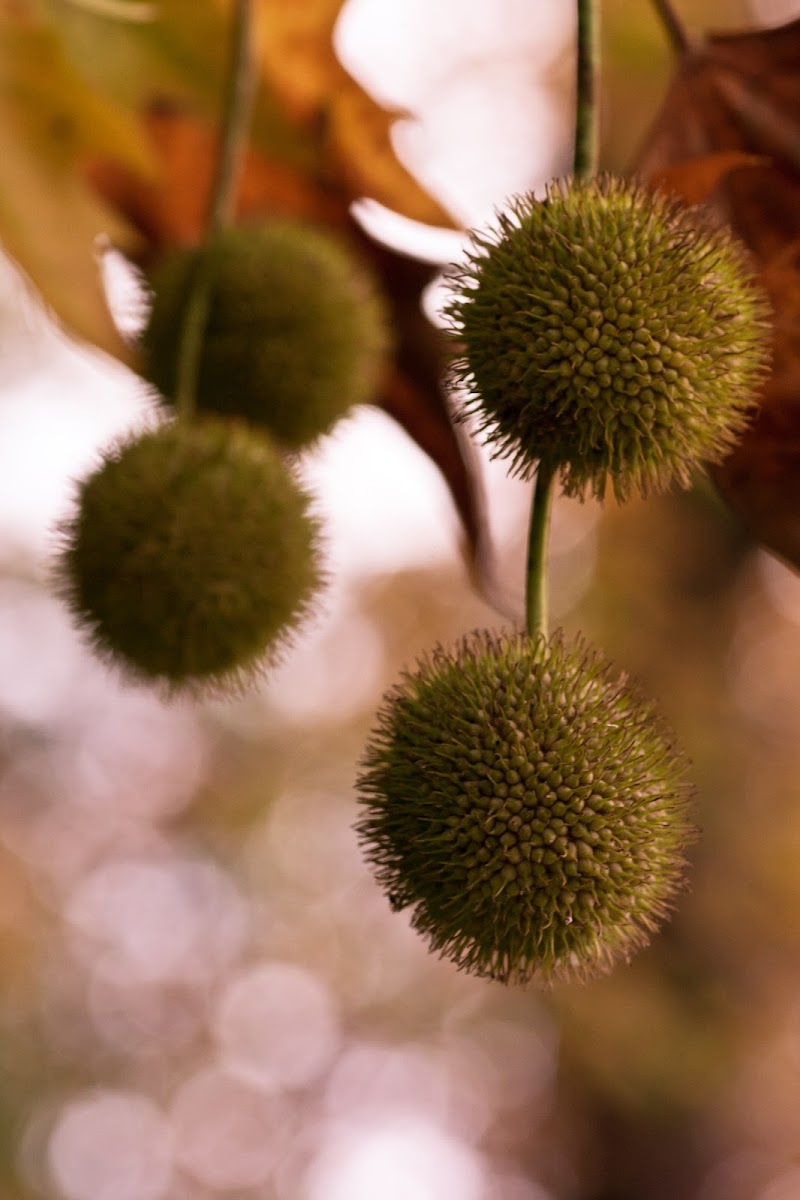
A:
x: 310, y: 114
x: 176, y: 51
x: 353, y: 130
x: 49, y: 221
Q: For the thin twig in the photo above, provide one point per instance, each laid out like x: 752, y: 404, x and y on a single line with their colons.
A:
x: 587, y: 101
x: 674, y: 28
x: 237, y: 107
x: 585, y: 165
x: 238, y: 104
x: 536, y: 591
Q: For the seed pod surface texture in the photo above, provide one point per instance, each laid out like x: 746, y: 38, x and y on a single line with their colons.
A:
x: 191, y: 555
x: 610, y: 331
x: 528, y: 805
x: 295, y: 336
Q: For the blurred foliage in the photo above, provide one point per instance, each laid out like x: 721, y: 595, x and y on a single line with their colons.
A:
x: 202, y: 991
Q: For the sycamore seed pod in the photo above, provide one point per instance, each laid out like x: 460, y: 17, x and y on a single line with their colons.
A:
x: 190, y: 556
x: 528, y: 805
x: 296, y: 331
x: 611, y: 332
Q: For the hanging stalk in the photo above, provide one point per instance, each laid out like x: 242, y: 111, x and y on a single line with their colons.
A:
x: 536, y: 596
x: 584, y: 166
x: 678, y: 38
x: 235, y: 126
x: 587, y: 110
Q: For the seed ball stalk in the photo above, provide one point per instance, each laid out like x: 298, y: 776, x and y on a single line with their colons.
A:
x: 528, y: 805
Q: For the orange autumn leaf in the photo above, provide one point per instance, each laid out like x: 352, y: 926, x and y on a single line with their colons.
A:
x: 695, y: 180
x: 349, y: 129
x: 171, y: 209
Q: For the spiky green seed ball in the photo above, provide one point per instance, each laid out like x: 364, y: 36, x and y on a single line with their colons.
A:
x: 191, y: 555
x: 528, y: 805
x: 610, y: 331
x: 296, y: 332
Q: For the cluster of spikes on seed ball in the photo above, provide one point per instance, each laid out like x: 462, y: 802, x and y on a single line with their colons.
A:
x: 296, y: 331
x: 528, y: 805
x: 191, y: 555
x: 610, y: 332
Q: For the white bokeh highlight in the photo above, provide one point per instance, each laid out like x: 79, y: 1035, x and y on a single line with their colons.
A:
x: 405, y: 1158
x: 485, y: 125
x: 276, y: 1027
x: 775, y: 12
x: 142, y: 920
x: 111, y: 1146
x: 227, y: 1134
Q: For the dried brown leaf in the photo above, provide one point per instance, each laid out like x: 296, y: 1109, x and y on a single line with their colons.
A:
x: 695, y: 180
x: 739, y: 92
x: 734, y: 103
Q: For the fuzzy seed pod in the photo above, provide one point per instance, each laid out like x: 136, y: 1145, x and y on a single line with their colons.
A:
x: 190, y: 555
x: 296, y: 331
x: 528, y: 805
x: 611, y: 332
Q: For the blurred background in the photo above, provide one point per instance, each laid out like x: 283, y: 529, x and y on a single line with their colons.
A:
x: 202, y: 991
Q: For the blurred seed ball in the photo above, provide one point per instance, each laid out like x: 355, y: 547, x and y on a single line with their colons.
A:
x: 528, y: 805
x: 191, y: 555
x: 296, y: 333
x: 610, y: 331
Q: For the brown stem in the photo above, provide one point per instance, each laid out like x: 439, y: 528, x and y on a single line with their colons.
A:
x: 674, y: 28
x: 237, y: 106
